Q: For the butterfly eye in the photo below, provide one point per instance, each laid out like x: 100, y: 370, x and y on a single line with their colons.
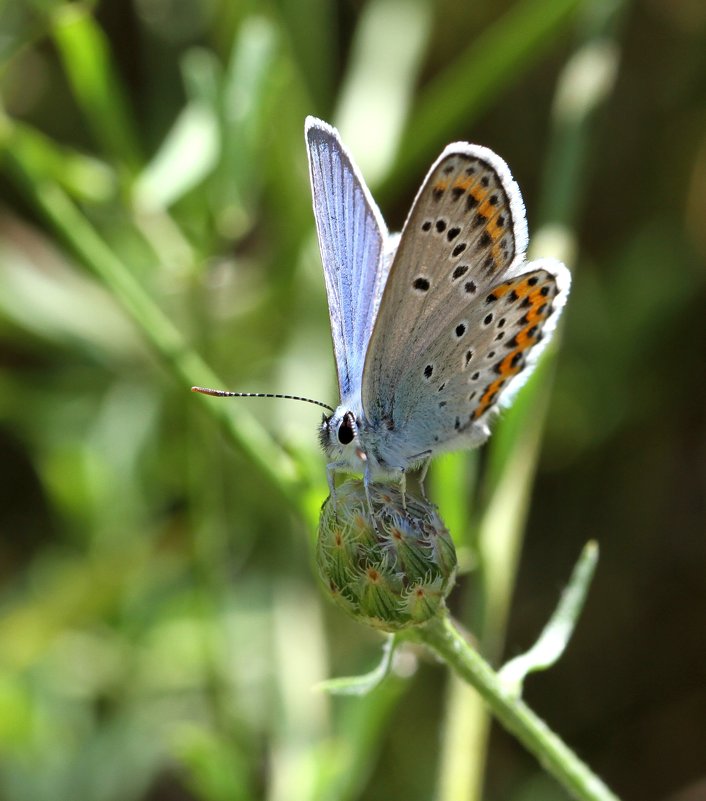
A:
x: 345, y: 430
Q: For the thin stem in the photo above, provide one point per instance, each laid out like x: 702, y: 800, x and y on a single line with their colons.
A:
x: 554, y: 755
x: 514, y: 449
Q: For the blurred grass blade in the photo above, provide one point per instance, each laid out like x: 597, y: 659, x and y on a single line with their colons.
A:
x: 390, y: 40
x: 346, y: 761
x: 451, y: 480
x: 587, y: 79
x: 363, y: 684
x: 190, y: 150
x: 85, y: 178
x: 473, y: 82
x: 556, y: 634
x: 464, y: 734
x: 185, y: 365
x: 512, y: 429
x: 309, y: 25
x: 215, y: 769
x: 516, y: 445
x: 186, y: 156
x: 300, y: 657
x: 245, y: 93
x: 85, y: 53
x: 62, y: 306
x: 19, y: 28
x: 585, y: 83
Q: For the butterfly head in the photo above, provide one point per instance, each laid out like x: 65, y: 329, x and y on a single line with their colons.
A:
x: 339, y: 437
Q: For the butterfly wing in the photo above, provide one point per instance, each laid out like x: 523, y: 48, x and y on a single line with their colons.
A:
x: 352, y: 238
x: 463, y: 316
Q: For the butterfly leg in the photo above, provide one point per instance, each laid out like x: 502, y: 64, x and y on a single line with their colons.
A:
x: 422, y: 477
x: 331, y: 468
x: 367, y: 480
x: 403, y: 488
x: 330, y: 473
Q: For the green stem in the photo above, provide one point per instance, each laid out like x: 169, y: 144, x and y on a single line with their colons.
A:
x: 514, y: 449
x: 554, y: 755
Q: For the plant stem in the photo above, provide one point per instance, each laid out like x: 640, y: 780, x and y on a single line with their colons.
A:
x: 584, y: 84
x: 441, y: 636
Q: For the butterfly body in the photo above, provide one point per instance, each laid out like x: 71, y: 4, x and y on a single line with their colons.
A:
x: 383, y: 446
x: 434, y: 329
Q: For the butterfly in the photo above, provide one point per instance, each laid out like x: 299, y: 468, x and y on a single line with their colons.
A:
x: 435, y: 328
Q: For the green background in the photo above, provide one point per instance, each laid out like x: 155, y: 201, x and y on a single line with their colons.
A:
x: 161, y: 624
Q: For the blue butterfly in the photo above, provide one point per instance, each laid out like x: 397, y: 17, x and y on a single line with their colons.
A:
x: 435, y: 328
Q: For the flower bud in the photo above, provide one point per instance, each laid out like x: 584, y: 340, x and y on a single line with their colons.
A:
x: 393, y: 574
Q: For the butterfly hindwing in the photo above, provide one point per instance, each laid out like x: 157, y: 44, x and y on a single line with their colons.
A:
x: 471, y: 310
x: 352, y: 237
x: 519, y: 317
x: 490, y: 348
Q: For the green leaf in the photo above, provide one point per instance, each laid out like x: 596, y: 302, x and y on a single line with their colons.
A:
x: 362, y: 685
x: 86, y: 56
x: 85, y: 178
x: 187, y: 155
x: 556, y: 634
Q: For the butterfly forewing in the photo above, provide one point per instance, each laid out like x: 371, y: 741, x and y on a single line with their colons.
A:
x: 352, y: 238
x: 470, y: 320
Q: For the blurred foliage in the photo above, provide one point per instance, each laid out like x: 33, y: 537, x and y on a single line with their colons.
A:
x: 161, y: 628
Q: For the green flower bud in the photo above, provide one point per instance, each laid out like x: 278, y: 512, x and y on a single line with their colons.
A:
x: 392, y: 575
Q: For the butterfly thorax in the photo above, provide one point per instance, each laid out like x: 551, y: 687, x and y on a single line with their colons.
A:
x: 377, y: 447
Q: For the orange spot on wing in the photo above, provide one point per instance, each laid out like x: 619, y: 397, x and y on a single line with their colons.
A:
x: 463, y: 183
x: 470, y: 184
x: 478, y: 193
x: 488, y: 396
x: 527, y: 337
x: 489, y: 211
x: 507, y: 368
x: 502, y: 290
x: 494, y: 229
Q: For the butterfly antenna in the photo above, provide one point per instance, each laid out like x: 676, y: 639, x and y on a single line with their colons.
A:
x: 222, y: 393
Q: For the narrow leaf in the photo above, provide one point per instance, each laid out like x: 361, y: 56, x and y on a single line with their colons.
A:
x: 555, y: 637
x: 362, y: 685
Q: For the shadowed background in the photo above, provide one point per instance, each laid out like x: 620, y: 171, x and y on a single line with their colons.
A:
x: 161, y: 625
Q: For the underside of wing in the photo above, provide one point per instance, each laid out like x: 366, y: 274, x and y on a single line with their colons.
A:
x: 491, y: 348
x: 476, y: 365
x: 463, y: 313
x: 352, y: 237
